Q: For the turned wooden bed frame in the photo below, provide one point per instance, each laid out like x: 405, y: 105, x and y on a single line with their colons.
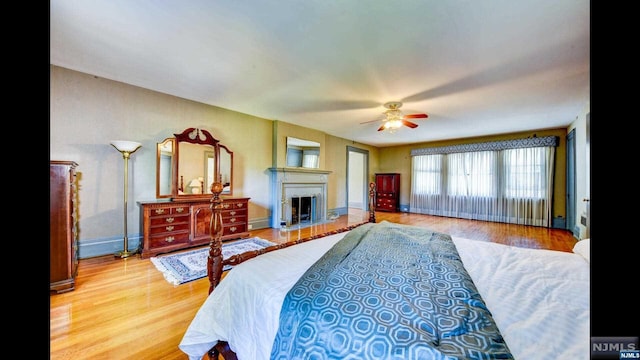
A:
x: 215, y: 261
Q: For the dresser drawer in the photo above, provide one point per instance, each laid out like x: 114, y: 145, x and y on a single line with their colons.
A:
x: 169, y: 220
x: 234, y: 219
x: 162, y: 240
x: 233, y: 213
x: 227, y: 205
x: 167, y: 228
x: 236, y: 228
x: 172, y: 210
x: 386, y: 201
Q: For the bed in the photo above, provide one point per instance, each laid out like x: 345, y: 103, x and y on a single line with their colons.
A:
x: 454, y: 298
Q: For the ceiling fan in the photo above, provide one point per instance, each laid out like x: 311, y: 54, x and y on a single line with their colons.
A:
x: 394, y: 118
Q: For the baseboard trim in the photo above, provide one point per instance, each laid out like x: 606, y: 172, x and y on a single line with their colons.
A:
x: 89, y: 248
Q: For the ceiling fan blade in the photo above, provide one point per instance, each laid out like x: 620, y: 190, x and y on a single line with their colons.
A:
x: 416, y: 116
x: 381, y: 128
x: 370, y: 121
x: 409, y: 124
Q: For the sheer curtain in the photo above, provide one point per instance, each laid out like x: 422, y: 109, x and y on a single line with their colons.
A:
x: 510, y: 182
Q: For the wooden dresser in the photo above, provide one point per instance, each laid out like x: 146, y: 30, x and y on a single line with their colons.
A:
x: 173, y: 225
x: 388, y: 192
x: 63, y: 226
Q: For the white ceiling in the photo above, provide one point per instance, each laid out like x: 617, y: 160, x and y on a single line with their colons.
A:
x: 476, y: 67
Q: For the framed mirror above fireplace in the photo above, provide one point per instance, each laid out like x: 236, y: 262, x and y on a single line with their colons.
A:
x: 303, y: 153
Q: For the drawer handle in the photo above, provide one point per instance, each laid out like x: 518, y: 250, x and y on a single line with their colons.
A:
x: 232, y: 220
x: 179, y: 210
x: 232, y: 213
x: 226, y: 206
x: 233, y: 229
x: 169, y: 220
x: 239, y: 205
x: 169, y: 228
x: 170, y: 239
x: 159, y: 211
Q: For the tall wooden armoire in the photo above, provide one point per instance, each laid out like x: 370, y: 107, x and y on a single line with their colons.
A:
x: 63, y: 225
x: 388, y: 192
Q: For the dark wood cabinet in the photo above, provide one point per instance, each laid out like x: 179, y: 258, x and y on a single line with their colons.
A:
x: 63, y: 226
x: 175, y: 225
x: 388, y: 192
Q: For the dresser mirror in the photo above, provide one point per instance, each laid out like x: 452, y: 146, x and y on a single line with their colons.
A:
x: 303, y: 153
x: 226, y: 169
x: 189, y: 162
x: 164, y: 168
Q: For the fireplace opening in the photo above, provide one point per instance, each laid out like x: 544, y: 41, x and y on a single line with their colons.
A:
x: 303, y: 210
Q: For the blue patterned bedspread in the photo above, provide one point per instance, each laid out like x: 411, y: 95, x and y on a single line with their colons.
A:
x: 388, y: 291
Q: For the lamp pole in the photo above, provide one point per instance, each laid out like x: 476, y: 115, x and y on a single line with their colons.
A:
x: 126, y: 148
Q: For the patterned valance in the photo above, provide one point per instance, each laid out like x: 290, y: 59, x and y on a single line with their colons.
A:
x: 493, y: 145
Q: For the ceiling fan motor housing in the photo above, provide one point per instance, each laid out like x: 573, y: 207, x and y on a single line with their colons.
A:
x: 393, y: 112
x: 393, y: 105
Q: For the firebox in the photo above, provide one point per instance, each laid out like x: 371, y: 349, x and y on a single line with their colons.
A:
x: 303, y: 210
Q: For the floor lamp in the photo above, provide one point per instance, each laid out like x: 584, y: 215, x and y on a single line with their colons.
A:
x: 126, y: 148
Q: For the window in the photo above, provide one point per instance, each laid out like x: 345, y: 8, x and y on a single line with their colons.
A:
x: 525, y: 175
x: 471, y: 174
x: 427, y: 174
x: 506, y: 181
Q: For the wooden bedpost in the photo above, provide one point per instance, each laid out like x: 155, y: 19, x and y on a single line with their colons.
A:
x: 372, y: 202
x: 214, y: 263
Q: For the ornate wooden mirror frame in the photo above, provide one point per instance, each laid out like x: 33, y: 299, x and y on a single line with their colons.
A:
x: 196, y: 160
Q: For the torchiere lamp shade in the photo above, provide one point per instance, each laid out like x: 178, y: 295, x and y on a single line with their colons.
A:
x: 125, y: 146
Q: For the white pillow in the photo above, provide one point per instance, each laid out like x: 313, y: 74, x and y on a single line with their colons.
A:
x: 582, y: 248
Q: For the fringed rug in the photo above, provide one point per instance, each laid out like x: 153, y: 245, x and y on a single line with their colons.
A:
x: 183, y: 267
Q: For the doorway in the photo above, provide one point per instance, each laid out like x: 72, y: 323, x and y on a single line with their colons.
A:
x: 571, y: 185
x: 587, y: 198
x: 357, y: 178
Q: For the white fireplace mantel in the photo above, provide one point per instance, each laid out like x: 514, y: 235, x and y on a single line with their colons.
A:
x: 287, y: 182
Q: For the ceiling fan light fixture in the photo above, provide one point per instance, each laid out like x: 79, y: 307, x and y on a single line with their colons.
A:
x: 392, y: 126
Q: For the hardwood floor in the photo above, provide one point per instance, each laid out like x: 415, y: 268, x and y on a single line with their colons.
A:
x: 125, y: 309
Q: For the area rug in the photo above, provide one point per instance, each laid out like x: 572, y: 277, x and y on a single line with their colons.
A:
x: 186, y: 266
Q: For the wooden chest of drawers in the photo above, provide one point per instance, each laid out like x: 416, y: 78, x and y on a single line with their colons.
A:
x: 169, y: 226
x: 234, y: 218
x: 386, y: 201
x: 175, y: 225
x: 388, y: 192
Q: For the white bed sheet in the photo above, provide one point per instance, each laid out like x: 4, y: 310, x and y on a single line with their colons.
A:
x: 539, y: 299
